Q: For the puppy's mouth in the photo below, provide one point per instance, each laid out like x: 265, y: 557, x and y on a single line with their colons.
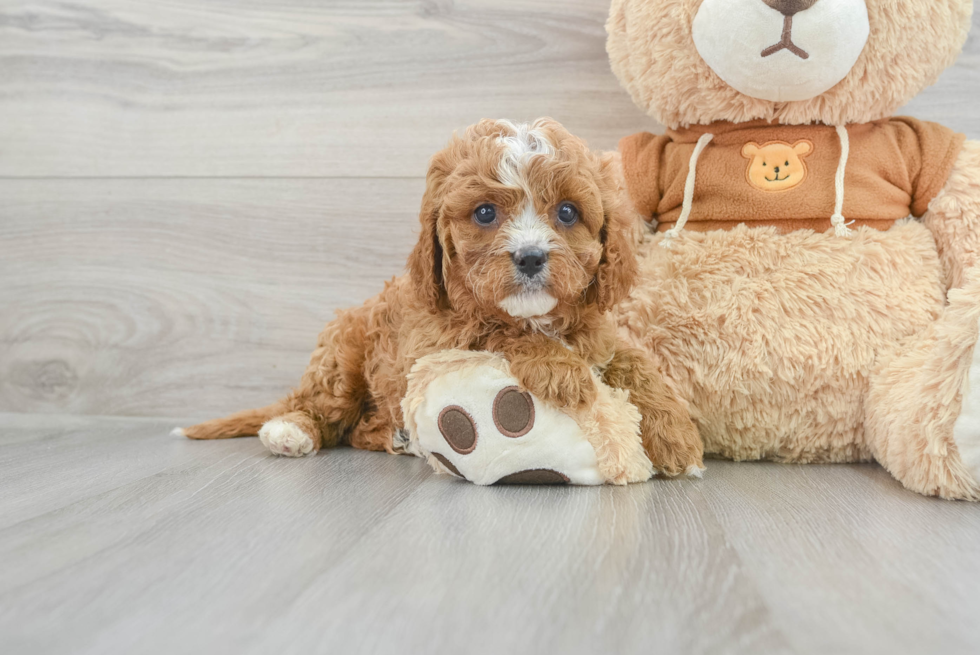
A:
x: 531, y: 297
x: 528, y: 303
x: 777, y: 178
x: 529, y: 284
x: 528, y: 295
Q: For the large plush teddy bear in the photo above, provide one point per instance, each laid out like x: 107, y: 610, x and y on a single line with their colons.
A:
x: 808, y: 276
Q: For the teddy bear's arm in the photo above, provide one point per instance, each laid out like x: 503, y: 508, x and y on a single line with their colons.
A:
x: 669, y: 436
x: 954, y: 216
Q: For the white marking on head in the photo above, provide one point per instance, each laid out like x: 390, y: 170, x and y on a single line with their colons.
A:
x: 524, y: 143
x: 528, y: 304
x: 528, y: 230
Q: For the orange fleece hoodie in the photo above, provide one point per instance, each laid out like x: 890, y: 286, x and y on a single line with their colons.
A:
x: 760, y: 173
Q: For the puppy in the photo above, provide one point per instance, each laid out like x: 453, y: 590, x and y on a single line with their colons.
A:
x: 526, y: 245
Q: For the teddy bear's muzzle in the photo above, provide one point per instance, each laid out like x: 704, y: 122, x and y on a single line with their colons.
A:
x: 817, y: 42
x: 789, y: 9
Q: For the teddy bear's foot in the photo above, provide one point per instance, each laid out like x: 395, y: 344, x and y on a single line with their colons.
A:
x: 922, y: 415
x: 468, y: 415
x: 966, y: 430
x: 484, y: 429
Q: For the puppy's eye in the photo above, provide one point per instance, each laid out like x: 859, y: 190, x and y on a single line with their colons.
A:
x: 787, y: 163
x: 485, y: 214
x: 567, y: 213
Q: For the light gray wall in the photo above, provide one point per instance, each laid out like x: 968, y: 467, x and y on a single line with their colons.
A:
x: 189, y: 190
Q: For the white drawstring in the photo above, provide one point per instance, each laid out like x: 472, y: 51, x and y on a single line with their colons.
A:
x: 837, y: 220
x: 692, y: 171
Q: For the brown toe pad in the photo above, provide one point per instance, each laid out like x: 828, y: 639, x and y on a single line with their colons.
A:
x: 513, y: 412
x: 458, y: 429
x: 534, y: 476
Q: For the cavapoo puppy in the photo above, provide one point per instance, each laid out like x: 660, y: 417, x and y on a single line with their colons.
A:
x: 526, y: 245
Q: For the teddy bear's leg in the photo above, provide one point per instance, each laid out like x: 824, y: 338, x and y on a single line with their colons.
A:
x: 922, y: 415
x: 924, y: 403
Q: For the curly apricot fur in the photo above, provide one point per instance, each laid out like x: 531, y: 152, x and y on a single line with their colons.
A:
x: 458, y: 274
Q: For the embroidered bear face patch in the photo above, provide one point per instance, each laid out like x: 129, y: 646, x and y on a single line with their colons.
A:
x: 777, y: 165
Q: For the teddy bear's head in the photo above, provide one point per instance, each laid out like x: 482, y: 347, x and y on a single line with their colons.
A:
x: 690, y: 62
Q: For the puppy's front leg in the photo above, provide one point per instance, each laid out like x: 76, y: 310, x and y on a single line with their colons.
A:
x: 670, y: 437
x: 551, y: 371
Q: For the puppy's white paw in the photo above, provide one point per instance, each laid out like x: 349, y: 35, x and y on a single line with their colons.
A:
x: 285, y: 438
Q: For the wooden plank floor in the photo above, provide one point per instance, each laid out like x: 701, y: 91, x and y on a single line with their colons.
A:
x: 118, y: 538
x: 188, y: 190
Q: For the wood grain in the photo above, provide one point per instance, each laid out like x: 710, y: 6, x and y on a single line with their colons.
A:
x: 907, y: 566
x: 130, y: 540
x: 147, y: 296
x: 176, y: 297
x: 290, y: 87
x: 188, y: 190
x: 294, y: 88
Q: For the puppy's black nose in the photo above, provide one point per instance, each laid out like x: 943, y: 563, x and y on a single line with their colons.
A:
x: 530, y: 261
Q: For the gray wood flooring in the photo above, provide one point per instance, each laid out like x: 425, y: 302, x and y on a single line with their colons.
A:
x: 118, y: 538
x: 188, y: 190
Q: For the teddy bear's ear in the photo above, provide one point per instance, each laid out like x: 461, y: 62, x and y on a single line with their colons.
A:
x: 751, y: 149
x: 802, y: 147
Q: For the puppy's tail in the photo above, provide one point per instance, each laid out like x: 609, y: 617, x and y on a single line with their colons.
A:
x: 240, y: 424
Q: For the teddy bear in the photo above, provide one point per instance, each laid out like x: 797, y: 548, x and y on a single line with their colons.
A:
x: 808, y: 279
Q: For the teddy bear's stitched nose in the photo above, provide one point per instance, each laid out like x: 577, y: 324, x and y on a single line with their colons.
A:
x: 790, y: 7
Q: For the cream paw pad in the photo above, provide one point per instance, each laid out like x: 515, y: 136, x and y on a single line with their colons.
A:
x: 468, y: 416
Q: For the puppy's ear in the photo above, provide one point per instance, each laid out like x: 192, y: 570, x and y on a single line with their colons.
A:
x: 620, y: 234
x: 425, y: 264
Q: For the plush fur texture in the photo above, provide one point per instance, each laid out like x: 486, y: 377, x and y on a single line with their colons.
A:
x: 651, y: 50
x: 773, y: 337
x: 461, y: 275
x: 808, y: 347
x: 954, y: 217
